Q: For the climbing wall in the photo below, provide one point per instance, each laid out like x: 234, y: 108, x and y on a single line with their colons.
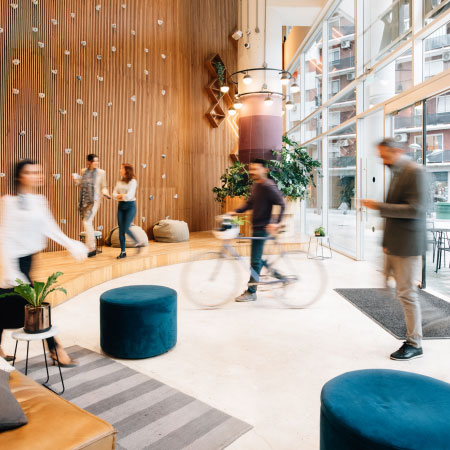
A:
x: 118, y: 79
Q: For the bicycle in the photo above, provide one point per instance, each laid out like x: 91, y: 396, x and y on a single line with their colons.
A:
x: 214, y: 278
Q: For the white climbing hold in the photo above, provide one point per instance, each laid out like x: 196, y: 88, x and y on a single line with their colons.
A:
x: 146, y: 72
x: 67, y: 52
x: 163, y: 92
x: 79, y: 101
x: 83, y: 43
x: 130, y: 130
x: 114, y: 26
x: 159, y: 123
x: 72, y: 15
x: 133, y: 98
x: 98, y: 8
x: 109, y: 104
x: 54, y: 72
x: 16, y: 62
x: 120, y: 152
x: 41, y: 95
x: 63, y: 111
x: 124, y: 5
x: 175, y: 196
x: 2, y: 175
x: 146, y: 50
x: 67, y: 151
x: 14, y: 5
x: 99, y: 78
x: 160, y: 22
x: 95, y: 138
x: 56, y: 176
x: 22, y: 133
x: 144, y: 165
x: 163, y: 56
x: 34, y: 29
x: 95, y: 114
x: 129, y: 65
x: 49, y: 136
x: 54, y: 22
x: 163, y: 176
x: 142, y: 219
x: 99, y: 57
x: 133, y: 33
x: 63, y: 221
x: 15, y: 91
x: 113, y: 49
x: 41, y: 44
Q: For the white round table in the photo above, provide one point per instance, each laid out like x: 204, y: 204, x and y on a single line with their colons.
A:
x: 21, y: 335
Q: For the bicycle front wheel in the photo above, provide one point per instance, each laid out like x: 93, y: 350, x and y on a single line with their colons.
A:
x: 211, y: 279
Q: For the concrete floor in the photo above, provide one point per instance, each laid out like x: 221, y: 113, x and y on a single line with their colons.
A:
x: 260, y: 362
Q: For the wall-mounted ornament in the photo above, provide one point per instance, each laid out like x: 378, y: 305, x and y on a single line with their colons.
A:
x: 163, y: 56
x: 163, y: 92
x: 99, y: 78
x: 133, y: 32
x: 54, y: 22
x: 95, y: 114
x: 34, y: 29
x: 113, y: 49
x: 160, y: 22
x: 120, y: 152
x: 143, y: 165
x: 41, y: 44
x: 16, y: 62
x: 159, y: 123
x: 163, y: 176
x: 130, y: 130
x: 72, y: 15
x: 146, y: 50
x: 133, y: 98
x: 14, y: 5
x: 146, y: 72
x: 67, y: 52
x: 79, y: 101
x: 49, y: 136
x: 56, y: 176
x: 83, y: 43
x: 99, y: 57
x: 98, y: 8
x: 54, y: 72
x: 175, y: 196
x: 2, y: 175
x: 95, y: 138
x: 79, y: 77
x: 109, y: 104
x: 63, y: 221
x: 15, y: 91
x: 100, y: 228
x: 41, y: 95
x: 67, y: 151
x: 22, y: 133
x: 114, y: 26
x: 63, y: 111
x: 129, y: 65
x: 151, y: 197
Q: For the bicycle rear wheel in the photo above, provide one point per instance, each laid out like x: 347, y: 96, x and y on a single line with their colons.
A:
x: 211, y: 279
x: 302, y: 280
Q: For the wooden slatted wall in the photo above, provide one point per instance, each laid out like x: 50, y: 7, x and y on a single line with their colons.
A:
x: 183, y: 147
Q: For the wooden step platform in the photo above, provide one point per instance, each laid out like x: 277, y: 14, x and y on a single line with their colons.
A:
x: 78, y: 277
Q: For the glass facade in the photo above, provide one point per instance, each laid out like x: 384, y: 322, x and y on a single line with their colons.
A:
x: 375, y: 55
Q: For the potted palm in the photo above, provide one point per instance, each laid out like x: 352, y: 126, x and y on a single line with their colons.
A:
x: 38, y: 312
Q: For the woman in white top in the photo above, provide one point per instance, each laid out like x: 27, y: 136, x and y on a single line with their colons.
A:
x: 25, y: 224
x: 125, y: 193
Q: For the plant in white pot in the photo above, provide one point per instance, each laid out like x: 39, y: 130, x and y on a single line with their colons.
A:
x: 38, y: 312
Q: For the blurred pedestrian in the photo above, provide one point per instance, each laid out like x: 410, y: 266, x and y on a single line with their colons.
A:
x: 404, y: 240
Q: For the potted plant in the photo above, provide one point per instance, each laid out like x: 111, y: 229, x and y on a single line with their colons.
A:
x: 319, y: 232
x: 220, y: 70
x: 38, y: 312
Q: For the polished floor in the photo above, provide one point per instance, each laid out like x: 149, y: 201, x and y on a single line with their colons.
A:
x: 260, y: 362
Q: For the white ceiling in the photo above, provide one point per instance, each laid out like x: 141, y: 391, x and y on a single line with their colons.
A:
x: 295, y: 12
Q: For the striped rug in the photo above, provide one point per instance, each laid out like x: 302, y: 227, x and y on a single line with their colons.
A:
x: 146, y: 413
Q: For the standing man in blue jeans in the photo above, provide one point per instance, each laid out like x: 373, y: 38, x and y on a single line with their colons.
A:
x: 264, y: 194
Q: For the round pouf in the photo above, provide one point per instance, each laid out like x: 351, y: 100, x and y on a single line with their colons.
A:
x: 138, y: 321
x: 385, y: 409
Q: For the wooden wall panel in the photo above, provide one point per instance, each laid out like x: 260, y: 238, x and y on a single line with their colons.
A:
x: 195, y: 154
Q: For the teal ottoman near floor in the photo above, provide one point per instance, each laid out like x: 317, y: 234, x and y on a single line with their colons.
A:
x: 138, y: 321
x: 385, y: 409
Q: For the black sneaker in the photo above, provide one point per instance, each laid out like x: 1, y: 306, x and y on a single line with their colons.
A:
x: 122, y: 255
x: 92, y: 253
x: 407, y: 352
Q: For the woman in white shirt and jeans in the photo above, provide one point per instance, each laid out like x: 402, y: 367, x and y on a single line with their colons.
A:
x: 125, y: 193
x: 25, y: 224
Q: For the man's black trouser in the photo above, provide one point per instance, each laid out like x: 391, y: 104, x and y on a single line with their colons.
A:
x: 256, y: 260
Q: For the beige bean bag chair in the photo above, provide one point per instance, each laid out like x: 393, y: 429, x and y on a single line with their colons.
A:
x: 171, y: 231
x: 113, y: 237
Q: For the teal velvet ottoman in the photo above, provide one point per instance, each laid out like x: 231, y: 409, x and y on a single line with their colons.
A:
x: 138, y: 321
x: 385, y: 409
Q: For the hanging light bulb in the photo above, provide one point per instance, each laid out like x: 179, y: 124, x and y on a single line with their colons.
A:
x: 268, y: 100
x: 284, y: 79
x: 237, y: 103
x: 295, y: 88
x: 247, y: 79
x: 225, y: 88
x: 289, y: 105
x: 232, y: 112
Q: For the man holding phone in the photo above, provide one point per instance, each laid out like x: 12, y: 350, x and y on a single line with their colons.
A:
x: 93, y: 187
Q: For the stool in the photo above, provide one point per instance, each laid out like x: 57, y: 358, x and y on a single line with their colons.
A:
x: 319, y: 243
x: 384, y: 409
x: 22, y: 336
x: 138, y: 321
x: 98, y: 240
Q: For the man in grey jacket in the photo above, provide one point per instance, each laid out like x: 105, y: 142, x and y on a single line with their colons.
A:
x: 404, y: 240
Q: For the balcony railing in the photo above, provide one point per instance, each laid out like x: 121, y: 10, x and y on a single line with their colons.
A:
x: 437, y: 42
x: 341, y: 64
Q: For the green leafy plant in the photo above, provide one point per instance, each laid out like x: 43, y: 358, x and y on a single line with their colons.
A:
x: 293, y: 170
x: 35, y: 295
x: 347, y: 183
x: 319, y: 231
x: 236, y: 220
x: 220, y: 70
x: 235, y: 183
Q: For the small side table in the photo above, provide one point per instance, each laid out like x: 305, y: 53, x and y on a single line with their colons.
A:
x: 320, y: 241
x: 22, y: 336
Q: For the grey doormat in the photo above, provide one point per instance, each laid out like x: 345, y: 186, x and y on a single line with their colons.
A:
x: 146, y: 413
x: 382, y: 307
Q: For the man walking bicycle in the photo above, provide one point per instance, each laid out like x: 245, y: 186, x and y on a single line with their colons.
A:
x: 264, y: 194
